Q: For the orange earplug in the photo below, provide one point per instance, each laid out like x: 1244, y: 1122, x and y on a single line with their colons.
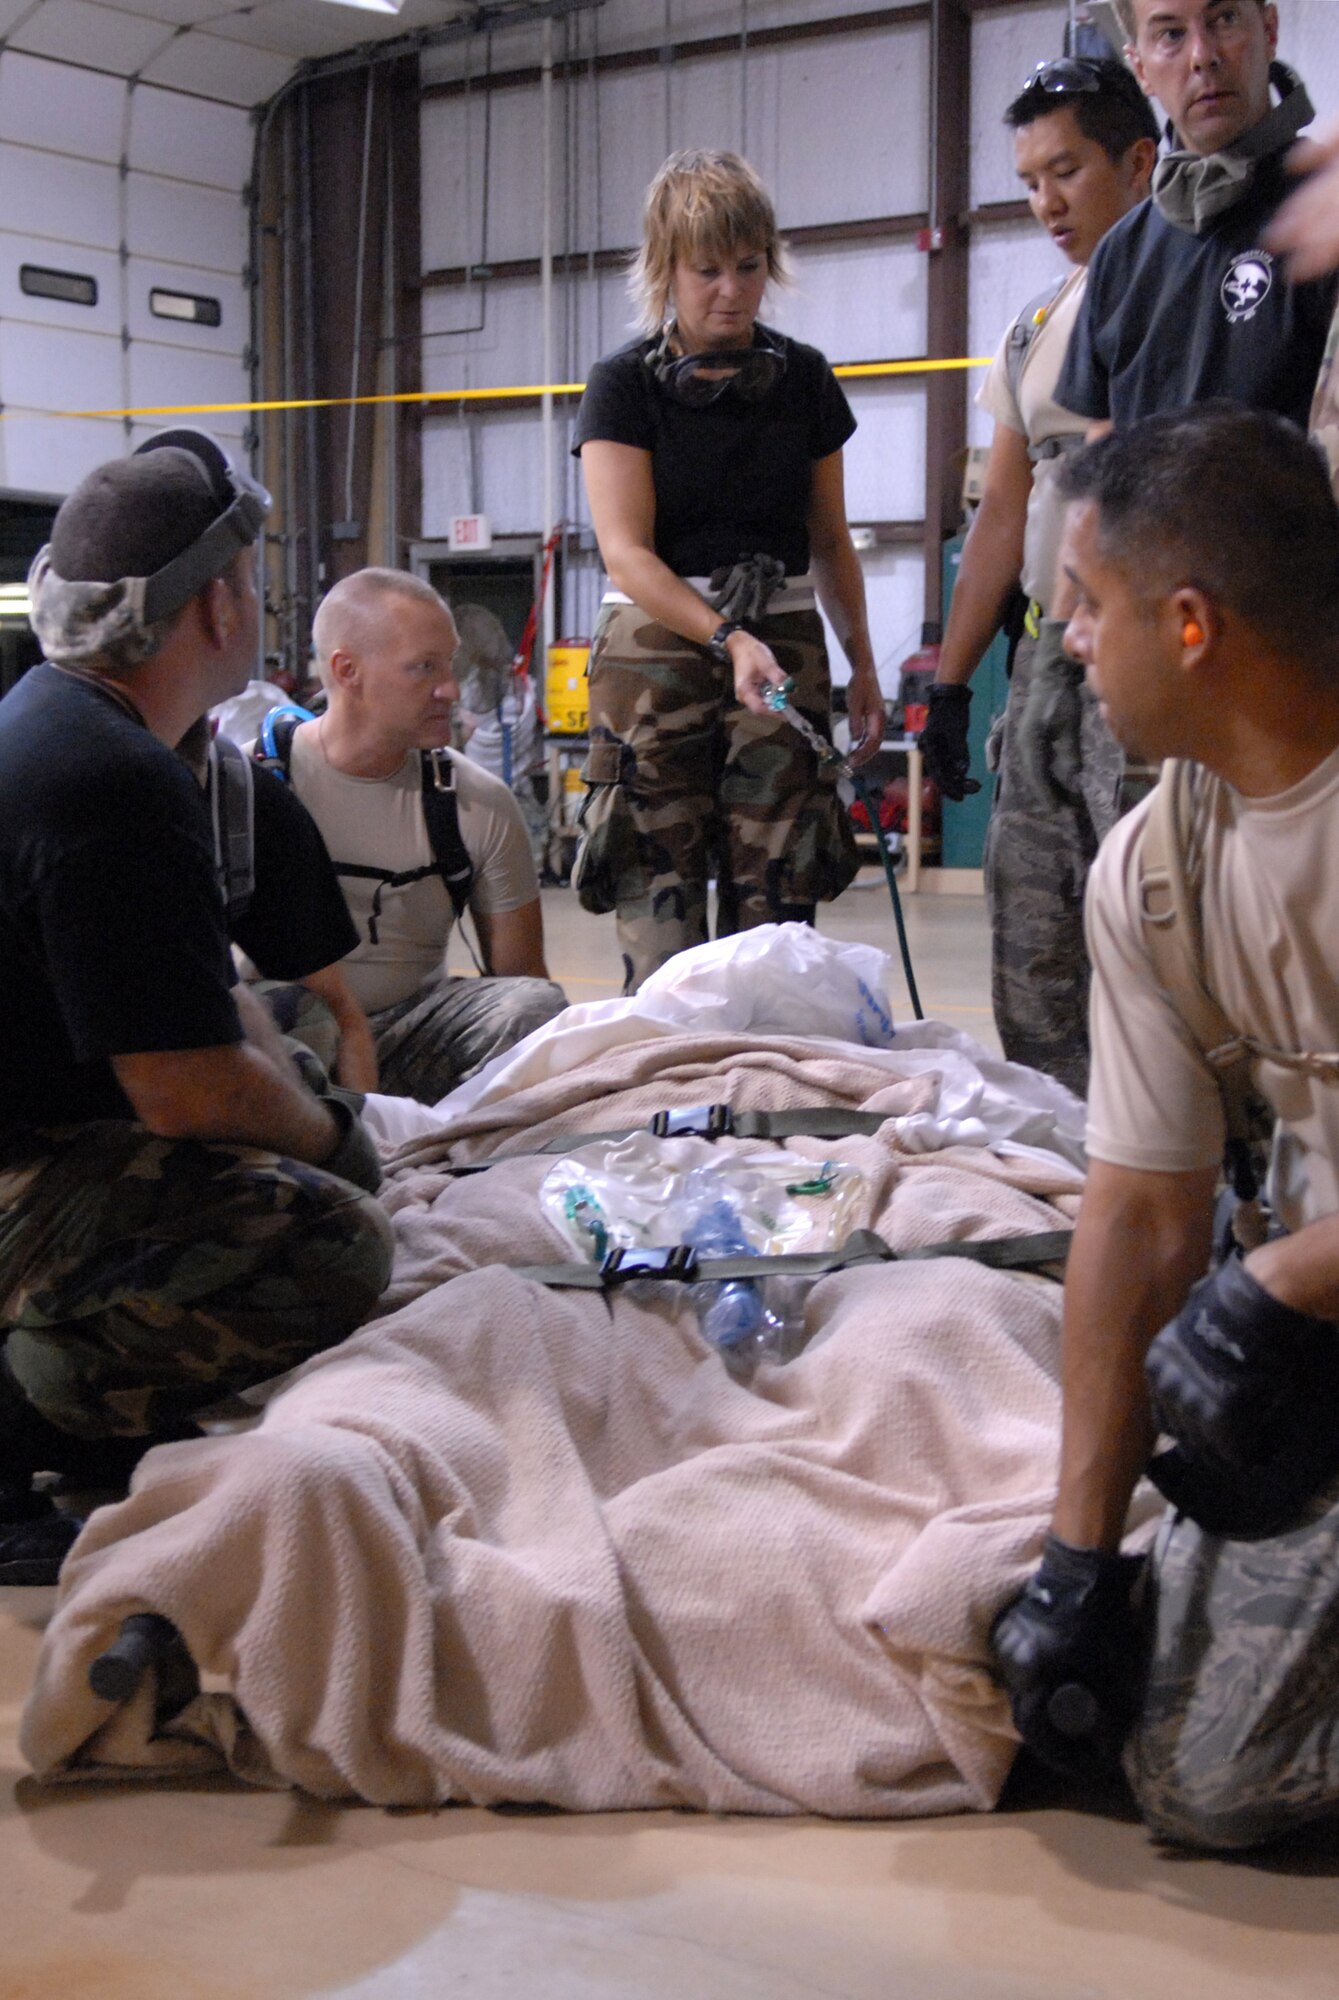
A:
x: 1192, y: 634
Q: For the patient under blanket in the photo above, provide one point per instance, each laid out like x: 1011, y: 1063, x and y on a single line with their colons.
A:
x: 516, y: 1544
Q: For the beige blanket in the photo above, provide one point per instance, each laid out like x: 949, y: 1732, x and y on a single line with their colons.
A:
x: 514, y: 1544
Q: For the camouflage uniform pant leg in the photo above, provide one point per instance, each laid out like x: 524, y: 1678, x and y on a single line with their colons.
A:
x: 443, y: 1034
x: 141, y: 1279
x: 1038, y: 854
x: 788, y: 843
x: 698, y: 783
x: 303, y: 1016
x: 1238, y: 1741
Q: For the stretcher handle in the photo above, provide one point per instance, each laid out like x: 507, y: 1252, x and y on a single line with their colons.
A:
x: 144, y: 1637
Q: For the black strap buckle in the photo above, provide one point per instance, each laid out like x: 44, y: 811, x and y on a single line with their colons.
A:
x: 623, y: 1266
x: 699, y: 1121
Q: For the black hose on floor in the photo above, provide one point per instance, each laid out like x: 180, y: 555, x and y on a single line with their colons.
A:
x: 862, y: 793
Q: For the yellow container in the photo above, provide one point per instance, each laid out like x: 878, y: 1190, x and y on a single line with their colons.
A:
x: 566, y: 690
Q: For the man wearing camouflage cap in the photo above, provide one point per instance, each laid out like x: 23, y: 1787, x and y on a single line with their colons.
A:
x: 179, y: 1216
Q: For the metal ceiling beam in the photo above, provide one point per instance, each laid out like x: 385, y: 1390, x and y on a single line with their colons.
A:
x: 483, y: 20
x: 660, y: 53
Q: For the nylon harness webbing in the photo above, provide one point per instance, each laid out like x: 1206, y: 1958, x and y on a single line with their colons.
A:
x: 708, y: 1121
x: 1170, y: 882
x: 681, y: 1265
x: 441, y: 817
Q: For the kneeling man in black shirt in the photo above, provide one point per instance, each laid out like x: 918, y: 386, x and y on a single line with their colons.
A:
x: 179, y: 1217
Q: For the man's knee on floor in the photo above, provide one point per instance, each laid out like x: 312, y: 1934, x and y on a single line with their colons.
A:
x: 1216, y: 1805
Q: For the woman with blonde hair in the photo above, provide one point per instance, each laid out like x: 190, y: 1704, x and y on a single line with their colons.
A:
x: 711, y: 447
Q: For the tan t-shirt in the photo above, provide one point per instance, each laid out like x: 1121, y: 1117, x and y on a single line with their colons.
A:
x: 1271, y: 946
x: 1036, y: 415
x: 378, y: 822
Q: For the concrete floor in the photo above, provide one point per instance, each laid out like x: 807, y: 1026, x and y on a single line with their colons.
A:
x: 217, y: 1893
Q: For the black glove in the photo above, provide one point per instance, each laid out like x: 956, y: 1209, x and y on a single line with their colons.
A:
x: 1231, y: 1373
x: 944, y: 740
x: 1071, y: 1655
x: 1047, y: 733
x: 1249, y: 1389
x: 355, y: 1157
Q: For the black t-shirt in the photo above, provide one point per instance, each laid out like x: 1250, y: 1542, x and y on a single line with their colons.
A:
x: 1170, y: 319
x: 732, y: 479
x: 297, y: 921
x: 111, y: 925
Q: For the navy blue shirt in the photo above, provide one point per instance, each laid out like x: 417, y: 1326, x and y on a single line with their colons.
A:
x: 732, y: 479
x: 112, y: 939
x: 1169, y: 319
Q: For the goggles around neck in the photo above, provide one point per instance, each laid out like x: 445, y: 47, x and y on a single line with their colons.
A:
x: 696, y: 380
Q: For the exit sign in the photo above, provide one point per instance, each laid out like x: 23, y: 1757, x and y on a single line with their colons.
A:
x: 471, y: 531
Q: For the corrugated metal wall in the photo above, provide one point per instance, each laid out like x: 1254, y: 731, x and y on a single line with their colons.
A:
x: 137, y: 188
x: 838, y: 129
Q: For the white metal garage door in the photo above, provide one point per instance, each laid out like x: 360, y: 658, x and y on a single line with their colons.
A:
x: 123, y: 243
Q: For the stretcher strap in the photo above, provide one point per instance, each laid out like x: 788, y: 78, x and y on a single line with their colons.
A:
x: 708, y: 1121
x: 681, y: 1265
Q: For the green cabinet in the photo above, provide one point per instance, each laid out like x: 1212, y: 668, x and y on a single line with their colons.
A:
x: 965, y: 824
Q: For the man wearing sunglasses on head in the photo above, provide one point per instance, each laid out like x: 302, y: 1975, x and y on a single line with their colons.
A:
x: 1084, y: 146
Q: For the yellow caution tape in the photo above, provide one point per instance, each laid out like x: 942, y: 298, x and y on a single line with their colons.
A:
x: 498, y: 395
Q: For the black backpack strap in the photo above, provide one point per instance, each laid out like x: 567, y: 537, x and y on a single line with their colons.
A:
x: 442, y: 819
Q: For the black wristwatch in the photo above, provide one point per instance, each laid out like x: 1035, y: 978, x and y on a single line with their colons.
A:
x: 716, y: 644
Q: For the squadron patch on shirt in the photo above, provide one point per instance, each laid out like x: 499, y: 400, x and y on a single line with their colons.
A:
x: 1246, y: 284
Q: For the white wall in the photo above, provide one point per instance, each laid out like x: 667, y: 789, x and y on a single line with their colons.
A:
x: 137, y: 188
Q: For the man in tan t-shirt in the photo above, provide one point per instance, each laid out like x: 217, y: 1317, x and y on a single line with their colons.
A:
x: 1204, y: 548
x: 385, y: 643
x: 1084, y: 146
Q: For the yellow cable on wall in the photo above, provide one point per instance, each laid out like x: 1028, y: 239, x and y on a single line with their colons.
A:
x: 860, y: 369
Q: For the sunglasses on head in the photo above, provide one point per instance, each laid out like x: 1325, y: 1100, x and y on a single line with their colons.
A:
x: 1067, y: 76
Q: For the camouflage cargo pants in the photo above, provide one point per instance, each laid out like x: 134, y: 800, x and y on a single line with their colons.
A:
x: 436, y: 1038
x: 686, y: 783
x: 440, y: 1036
x: 142, y: 1279
x: 1038, y: 853
x: 1238, y: 1742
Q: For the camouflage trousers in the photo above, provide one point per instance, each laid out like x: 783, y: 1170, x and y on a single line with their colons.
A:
x: 1038, y: 854
x: 142, y: 1279
x: 1238, y: 1741
x: 303, y: 1016
x: 442, y: 1034
x: 435, y: 1039
x: 685, y: 782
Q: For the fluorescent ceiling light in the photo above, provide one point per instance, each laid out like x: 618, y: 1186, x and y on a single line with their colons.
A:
x: 370, y: 6
x: 14, y: 600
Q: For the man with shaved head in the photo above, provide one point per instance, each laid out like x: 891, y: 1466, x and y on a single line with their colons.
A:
x: 374, y: 775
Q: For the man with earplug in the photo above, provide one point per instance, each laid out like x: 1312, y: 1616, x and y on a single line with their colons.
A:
x: 1202, y: 548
